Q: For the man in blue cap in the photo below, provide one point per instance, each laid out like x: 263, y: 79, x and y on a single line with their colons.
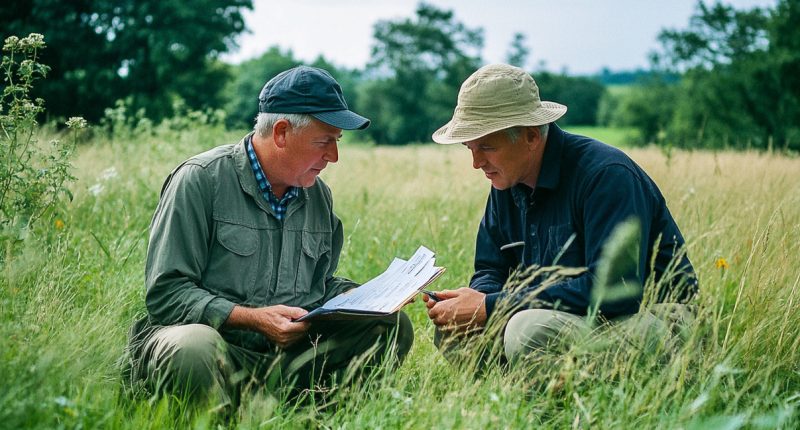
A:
x: 243, y: 242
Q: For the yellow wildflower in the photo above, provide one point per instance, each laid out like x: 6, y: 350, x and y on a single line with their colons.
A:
x: 721, y: 263
x: 59, y: 224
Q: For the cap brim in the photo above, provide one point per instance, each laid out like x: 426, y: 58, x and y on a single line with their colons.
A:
x: 344, y: 119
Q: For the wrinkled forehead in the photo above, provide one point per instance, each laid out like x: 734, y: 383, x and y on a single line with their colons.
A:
x: 495, y: 139
x: 319, y: 128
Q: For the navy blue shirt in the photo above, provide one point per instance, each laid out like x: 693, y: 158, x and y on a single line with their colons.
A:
x: 584, y: 190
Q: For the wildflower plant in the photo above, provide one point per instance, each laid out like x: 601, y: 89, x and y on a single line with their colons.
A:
x: 33, y: 177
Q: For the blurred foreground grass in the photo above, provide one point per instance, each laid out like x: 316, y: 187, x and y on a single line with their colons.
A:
x: 69, y: 296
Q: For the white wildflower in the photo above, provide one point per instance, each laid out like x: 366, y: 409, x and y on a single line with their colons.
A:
x: 77, y: 123
x: 109, y: 173
x: 96, y: 189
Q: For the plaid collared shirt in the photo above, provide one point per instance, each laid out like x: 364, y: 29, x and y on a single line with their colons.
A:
x: 278, y: 205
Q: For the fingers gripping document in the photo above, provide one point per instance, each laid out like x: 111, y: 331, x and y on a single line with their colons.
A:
x: 384, y: 294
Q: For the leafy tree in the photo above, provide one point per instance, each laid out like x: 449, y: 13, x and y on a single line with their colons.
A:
x: 416, y: 69
x: 153, y: 51
x: 649, y: 107
x: 784, y: 34
x: 518, y: 51
x: 739, y: 85
x: 581, y: 95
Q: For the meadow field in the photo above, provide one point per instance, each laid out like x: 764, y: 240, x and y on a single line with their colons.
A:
x: 69, y: 294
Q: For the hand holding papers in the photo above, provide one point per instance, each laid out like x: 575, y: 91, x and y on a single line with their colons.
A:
x: 384, y: 294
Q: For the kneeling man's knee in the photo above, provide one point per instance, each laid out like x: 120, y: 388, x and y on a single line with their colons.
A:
x: 186, y: 357
x: 535, y: 330
x: 405, y: 335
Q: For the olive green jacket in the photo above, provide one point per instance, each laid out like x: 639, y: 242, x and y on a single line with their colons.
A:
x: 215, y: 243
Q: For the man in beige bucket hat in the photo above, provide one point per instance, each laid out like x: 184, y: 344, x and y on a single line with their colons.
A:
x: 556, y: 197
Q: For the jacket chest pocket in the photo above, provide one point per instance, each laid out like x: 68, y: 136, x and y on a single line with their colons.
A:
x: 563, y: 247
x: 233, y: 260
x: 313, y: 264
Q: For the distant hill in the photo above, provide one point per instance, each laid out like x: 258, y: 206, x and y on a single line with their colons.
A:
x: 629, y: 77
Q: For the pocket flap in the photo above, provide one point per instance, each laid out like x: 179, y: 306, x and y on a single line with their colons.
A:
x: 314, y: 244
x: 238, y: 239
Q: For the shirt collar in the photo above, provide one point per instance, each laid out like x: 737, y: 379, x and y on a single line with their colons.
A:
x: 261, y: 177
x: 550, y: 172
x: 522, y: 194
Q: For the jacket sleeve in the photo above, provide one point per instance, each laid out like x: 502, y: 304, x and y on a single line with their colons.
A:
x: 492, y: 266
x: 335, y: 285
x: 180, y: 234
x: 609, y: 197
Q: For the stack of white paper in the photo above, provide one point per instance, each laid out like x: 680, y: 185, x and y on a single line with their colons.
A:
x: 387, y: 292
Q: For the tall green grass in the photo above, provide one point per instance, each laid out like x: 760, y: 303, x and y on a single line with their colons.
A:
x: 69, y: 295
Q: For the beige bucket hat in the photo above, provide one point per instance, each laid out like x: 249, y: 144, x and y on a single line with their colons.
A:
x: 496, y: 97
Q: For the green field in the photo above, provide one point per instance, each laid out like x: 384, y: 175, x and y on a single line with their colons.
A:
x: 69, y: 294
x: 615, y: 136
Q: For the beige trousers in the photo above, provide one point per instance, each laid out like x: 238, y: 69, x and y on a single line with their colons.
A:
x: 537, y: 331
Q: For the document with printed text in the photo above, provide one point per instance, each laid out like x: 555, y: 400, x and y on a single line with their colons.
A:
x: 384, y: 294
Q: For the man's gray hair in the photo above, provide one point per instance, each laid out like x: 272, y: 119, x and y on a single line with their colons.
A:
x: 514, y: 132
x: 265, y: 121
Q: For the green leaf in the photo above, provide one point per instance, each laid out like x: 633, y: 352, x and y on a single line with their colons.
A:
x: 619, y: 258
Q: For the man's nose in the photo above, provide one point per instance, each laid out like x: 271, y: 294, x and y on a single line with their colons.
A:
x: 332, y: 154
x: 477, y: 160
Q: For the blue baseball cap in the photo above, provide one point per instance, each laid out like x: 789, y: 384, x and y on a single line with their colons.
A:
x: 312, y: 91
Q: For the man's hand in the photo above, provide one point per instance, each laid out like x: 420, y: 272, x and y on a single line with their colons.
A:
x: 274, y: 322
x: 457, y: 310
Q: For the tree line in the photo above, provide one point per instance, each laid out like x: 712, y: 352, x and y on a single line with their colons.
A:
x: 729, y: 80
x: 738, y: 86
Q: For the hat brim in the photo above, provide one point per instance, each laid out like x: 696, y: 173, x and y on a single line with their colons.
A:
x: 460, y: 130
x: 344, y: 119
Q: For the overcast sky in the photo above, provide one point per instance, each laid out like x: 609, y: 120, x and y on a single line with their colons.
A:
x: 581, y: 36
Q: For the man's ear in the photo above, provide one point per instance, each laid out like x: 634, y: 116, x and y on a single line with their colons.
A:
x: 532, y: 137
x: 279, y: 130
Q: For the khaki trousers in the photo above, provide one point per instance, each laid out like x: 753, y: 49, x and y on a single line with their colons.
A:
x: 194, y: 360
x: 538, y: 331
